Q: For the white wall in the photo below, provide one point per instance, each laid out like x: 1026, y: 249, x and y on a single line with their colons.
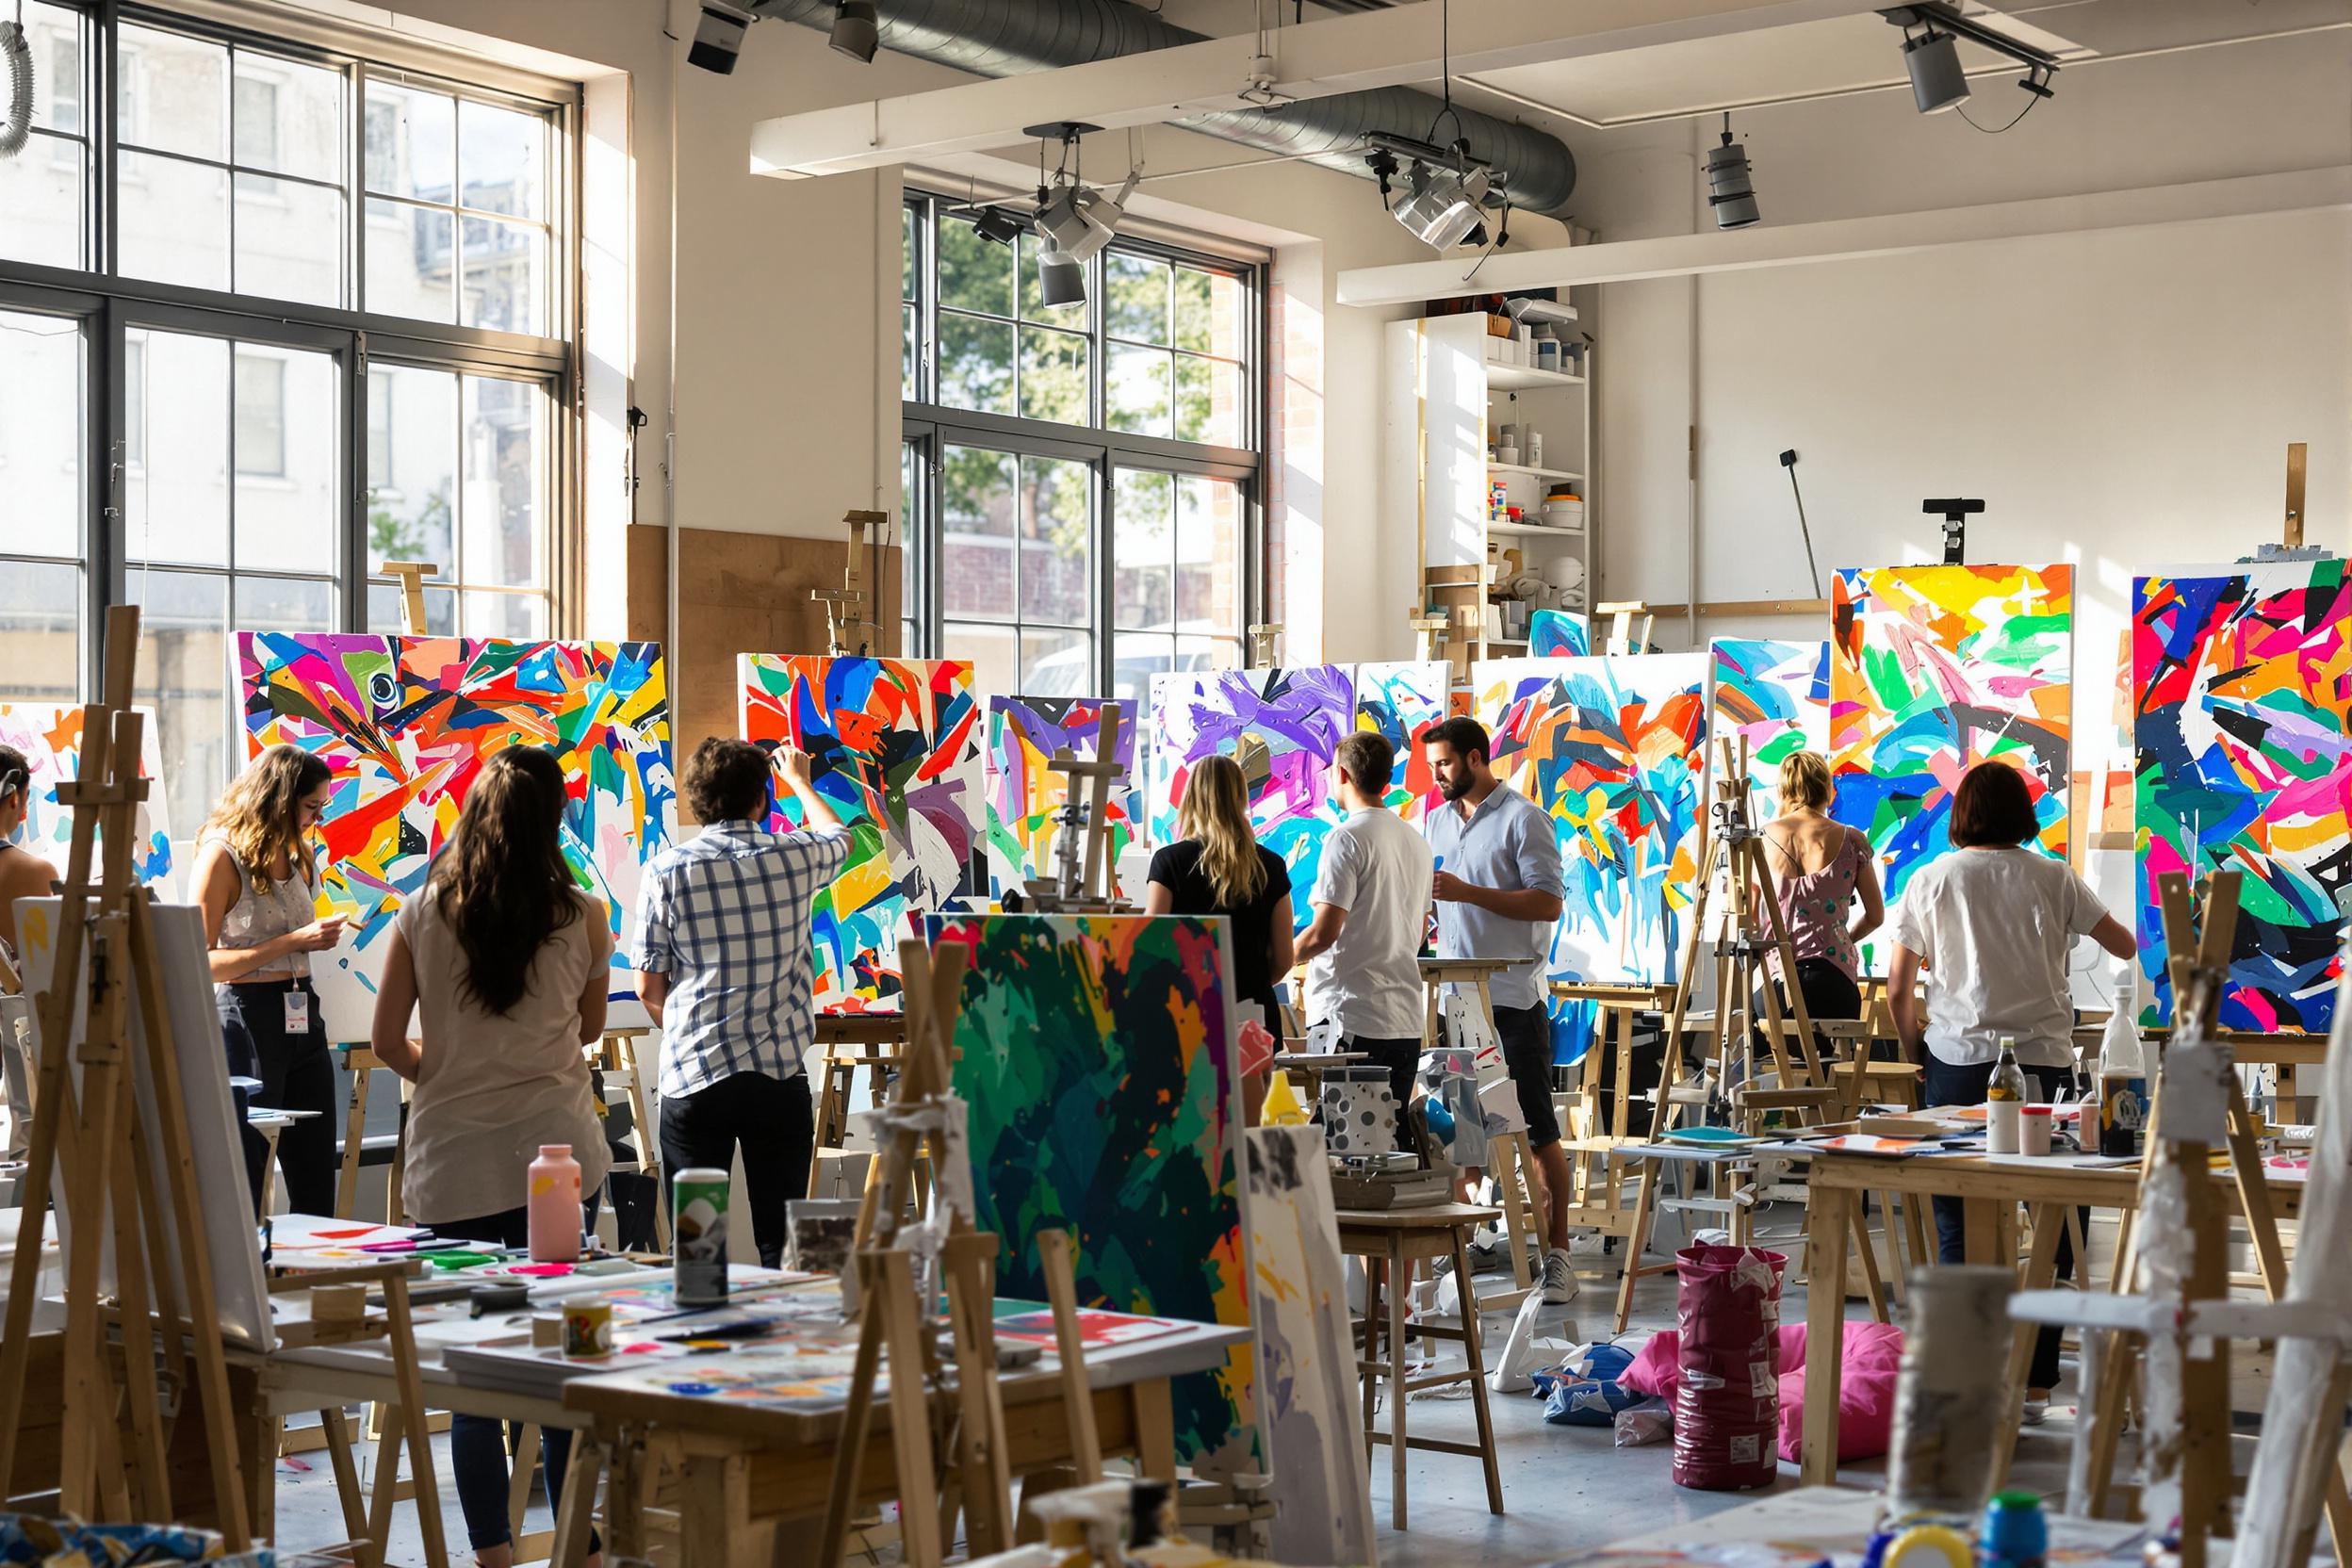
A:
x: 2117, y: 400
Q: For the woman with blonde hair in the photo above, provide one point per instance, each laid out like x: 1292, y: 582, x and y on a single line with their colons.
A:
x: 259, y: 888
x: 1820, y: 869
x: 1217, y: 868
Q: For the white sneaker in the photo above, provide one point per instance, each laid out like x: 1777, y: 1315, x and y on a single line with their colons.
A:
x: 1559, y: 1279
x: 2035, y: 1411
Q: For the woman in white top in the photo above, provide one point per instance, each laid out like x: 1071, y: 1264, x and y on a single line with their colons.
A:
x: 509, y: 965
x: 1993, y: 923
x: 259, y: 888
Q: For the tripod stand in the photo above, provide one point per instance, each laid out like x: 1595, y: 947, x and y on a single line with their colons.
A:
x: 1751, y: 928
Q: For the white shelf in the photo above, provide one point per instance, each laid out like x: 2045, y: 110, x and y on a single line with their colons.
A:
x: 1532, y: 473
x: 1526, y: 377
x: 1537, y: 530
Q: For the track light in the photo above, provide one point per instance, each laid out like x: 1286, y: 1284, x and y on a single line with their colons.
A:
x: 997, y: 225
x: 719, y: 36
x: 1061, y: 279
x: 1441, y: 206
x: 855, y: 30
x: 1938, y: 83
x: 1730, y: 191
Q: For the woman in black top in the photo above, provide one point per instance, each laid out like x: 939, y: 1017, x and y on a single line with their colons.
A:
x: 1217, y: 868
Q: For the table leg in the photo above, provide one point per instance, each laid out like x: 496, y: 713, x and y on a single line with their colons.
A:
x: 383, y: 1480
x: 713, y: 1517
x: 1399, y: 1299
x: 574, y: 1509
x: 338, y: 1431
x: 1825, y: 1329
x: 521, y: 1466
x: 1476, y: 1363
x: 1373, y: 1270
x: 1869, y: 1261
x: 1981, y: 1231
x: 2041, y: 1268
x: 1155, y: 1430
x: 624, y: 1496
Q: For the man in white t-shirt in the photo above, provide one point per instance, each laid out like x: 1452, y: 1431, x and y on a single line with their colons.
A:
x: 1371, y: 903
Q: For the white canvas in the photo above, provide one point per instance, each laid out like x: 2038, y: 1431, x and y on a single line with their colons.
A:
x: 1306, y: 1391
x: 240, y: 1294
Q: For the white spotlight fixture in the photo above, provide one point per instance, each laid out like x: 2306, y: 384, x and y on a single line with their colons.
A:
x: 1441, y: 205
x: 1730, y: 189
x: 1073, y: 220
x: 855, y: 30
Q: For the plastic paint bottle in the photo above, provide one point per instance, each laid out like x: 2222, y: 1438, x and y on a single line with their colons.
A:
x: 554, y: 1204
x: 2015, y: 1534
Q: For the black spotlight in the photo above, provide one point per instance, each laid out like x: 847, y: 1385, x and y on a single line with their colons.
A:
x: 1938, y: 83
x: 997, y: 224
x: 1730, y: 191
x: 854, y: 30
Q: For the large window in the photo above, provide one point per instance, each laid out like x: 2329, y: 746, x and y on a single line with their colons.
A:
x: 270, y: 315
x: 1081, y: 481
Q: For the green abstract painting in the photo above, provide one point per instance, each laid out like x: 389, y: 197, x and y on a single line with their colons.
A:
x: 1097, y: 1056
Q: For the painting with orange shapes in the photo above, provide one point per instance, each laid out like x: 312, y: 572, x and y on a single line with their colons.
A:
x: 2242, y: 730
x: 1932, y: 670
x: 404, y: 724
x: 894, y: 749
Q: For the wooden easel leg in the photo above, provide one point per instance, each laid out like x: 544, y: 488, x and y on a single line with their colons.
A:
x: 521, y: 1466
x: 848, y: 1459
x: 984, y: 1469
x: 2041, y: 1268
x: 576, y: 1508
x: 383, y: 1482
x: 339, y: 1431
x: 1824, y: 1330
x: 1477, y: 1365
x: 1054, y: 1253
x: 355, y: 1134
x: 910, y: 1412
x: 1400, y: 1292
x: 412, y: 1386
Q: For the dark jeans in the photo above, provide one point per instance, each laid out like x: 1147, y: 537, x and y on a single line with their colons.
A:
x: 297, y: 1073
x: 1950, y: 1083
x: 772, y: 1124
x: 477, y: 1446
x: 1829, y: 993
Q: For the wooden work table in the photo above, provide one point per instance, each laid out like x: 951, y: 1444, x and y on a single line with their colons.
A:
x: 740, y: 1475
x: 1991, y: 1188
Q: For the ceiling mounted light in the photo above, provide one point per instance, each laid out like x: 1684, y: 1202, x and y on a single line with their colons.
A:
x: 1938, y: 83
x: 1441, y: 205
x: 1074, y: 221
x: 856, y: 30
x: 1061, y: 279
x: 998, y: 225
x: 718, y: 37
x: 1730, y: 188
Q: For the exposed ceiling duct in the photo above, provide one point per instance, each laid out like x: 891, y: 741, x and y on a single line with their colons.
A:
x: 1011, y: 38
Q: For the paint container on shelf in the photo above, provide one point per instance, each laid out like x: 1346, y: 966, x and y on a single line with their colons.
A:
x: 698, y: 1232
x: 1535, y: 449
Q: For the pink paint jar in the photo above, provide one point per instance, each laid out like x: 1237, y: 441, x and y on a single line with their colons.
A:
x: 2034, y: 1131
x: 554, y: 1204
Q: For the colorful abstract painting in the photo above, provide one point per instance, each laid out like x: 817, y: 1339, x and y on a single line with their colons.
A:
x: 1932, y: 670
x: 1283, y: 726
x: 1306, y: 1356
x: 894, y: 749
x: 1026, y: 795
x: 1402, y: 702
x: 404, y: 724
x: 1098, y: 1061
x: 51, y: 740
x: 2243, y: 734
x: 1557, y: 634
x: 1609, y: 748
x: 1774, y: 696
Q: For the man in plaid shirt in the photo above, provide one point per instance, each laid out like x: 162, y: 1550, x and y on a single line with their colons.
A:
x: 724, y: 965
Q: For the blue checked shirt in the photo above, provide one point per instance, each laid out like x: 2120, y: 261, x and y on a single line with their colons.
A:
x: 725, y: 916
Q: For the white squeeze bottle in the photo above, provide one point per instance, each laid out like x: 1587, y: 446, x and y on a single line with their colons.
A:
x: 2005, y: 1102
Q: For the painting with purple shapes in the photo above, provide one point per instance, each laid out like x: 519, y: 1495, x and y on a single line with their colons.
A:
x: 1026, y: 795
x: 1282, y: 725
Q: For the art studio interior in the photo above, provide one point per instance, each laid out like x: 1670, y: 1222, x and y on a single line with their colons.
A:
x: 1154, y: 783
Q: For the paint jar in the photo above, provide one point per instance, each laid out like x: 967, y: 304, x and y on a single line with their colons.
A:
x: 1948, y: 1395
x: 698, y: 1236
x: 2034, y: 1131
x: 587, y: 1328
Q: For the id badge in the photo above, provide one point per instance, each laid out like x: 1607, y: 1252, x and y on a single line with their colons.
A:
x: 297, y: 1012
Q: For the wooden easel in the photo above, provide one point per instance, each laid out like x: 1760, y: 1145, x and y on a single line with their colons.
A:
x: 619, y: 1053
x: 1740, y: 971
x: 1087, y: 880
x: 411, y: 576
x: 1621, y: 635
x: 2298, y: 458
x: 91, y: 1142
x: 1430, y: 633
x: 1262, y: 644
x: 847, y: 608
x: 889, y: 1313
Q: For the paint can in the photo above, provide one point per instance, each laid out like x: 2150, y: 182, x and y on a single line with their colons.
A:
x: 698, y: 1235
x: 587, y: 1327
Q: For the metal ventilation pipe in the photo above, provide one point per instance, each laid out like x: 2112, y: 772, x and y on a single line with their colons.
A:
x: 1010, y: 38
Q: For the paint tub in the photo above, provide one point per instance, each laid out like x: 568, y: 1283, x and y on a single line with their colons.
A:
x: 698, y: 1235
x: 587, y: 1328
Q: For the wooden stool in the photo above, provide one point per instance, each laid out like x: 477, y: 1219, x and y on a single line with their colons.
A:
x: 1388, y: 1240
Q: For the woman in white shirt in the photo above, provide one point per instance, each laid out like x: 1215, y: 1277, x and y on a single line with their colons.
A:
x: 1993, y: 923
x: 507, y: 963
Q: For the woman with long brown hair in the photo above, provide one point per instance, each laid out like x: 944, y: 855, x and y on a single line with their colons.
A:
x: 507, y: 963
x: 1219, y: 868
x: 257, y: 886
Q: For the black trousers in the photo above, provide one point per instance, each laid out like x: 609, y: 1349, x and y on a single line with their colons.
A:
x: 297, y: 1073
x: 770, y: 1121
x: 1829, y: 993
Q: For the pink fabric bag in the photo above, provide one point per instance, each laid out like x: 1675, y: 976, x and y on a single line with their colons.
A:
x: 1866, y: 1390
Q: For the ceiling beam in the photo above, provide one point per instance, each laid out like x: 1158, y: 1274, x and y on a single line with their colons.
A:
x: 1848, y: 238
x: 1396, y: 46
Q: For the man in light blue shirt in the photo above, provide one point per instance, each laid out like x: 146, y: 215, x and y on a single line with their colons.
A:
x: 1498, y: 890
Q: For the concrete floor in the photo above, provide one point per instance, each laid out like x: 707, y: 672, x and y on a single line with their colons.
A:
x: 1564, y: 1488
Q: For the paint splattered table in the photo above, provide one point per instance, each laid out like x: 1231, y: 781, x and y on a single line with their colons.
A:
x: 745, y: 1472
x: 1391, y: 1240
